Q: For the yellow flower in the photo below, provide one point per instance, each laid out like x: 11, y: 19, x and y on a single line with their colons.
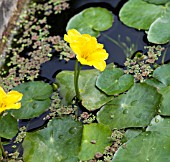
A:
x: 9, y: 100
x: 88, y: 51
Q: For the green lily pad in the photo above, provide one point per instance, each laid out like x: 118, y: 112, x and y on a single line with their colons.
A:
x: 59, y: 142
x: 92, y: 98
x: 160, y: 125
x: 152, y: 15
x: 136, y: 108
x: 162, y: 75
x: 89, y: 21
x: 155, y: 83
x: 164, y: 106
x: 131, y: 133
x: 94, y: 140
x: 159, y: 30
x: 112, y: 81
x: 9, y: 126
x: 146, y: 147
x: 150, y: 146
x: 158, y: 2
x: 36, y: 99
x: 140, y: 14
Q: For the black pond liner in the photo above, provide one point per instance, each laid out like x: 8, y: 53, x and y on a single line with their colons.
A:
x: 58, y: 22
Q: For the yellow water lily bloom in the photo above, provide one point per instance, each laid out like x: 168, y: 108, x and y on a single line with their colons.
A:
x: 9, y: 100
x: 88, y: 51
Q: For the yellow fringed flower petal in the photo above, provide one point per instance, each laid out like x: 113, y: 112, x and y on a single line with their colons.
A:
x: 72, y: 36
x: 13, y: 106
x: 2, y: 93
x: 9, y: 100
x: 13, y: 97
x: 88, y: 51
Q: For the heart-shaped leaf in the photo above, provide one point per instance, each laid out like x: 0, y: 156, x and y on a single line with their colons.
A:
x: 152, y: 15
x: 8, y: 126
x: 89, y: 21
x: 150, y: 146
x: 146, y: 147
x: 136, y: 108
x: 131, y: 133
x: 160, y: 125
x: 157, y: 1
x: 92, y: 97
x: 162, y: 75
x: 59, y: 142
x: 155, y: 83
x: 140, y: 14
x: 35, y: 99
x: 159, y: 30
x: 94, y: 140
x: 112, y: 81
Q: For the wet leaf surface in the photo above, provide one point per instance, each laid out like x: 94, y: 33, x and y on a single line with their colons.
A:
x: 147, y: 147
x: 59, y: 142
x: 136, y: 108
x: 162, y: 75
x: 94, y: 140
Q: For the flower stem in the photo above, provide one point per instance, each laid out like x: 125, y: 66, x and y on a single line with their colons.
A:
x: 76, y: 77
x: 2, y: 149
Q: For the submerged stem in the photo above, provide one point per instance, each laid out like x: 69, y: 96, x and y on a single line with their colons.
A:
x: 76, y: 77
x: 2, y: 149
x: 112, y: 40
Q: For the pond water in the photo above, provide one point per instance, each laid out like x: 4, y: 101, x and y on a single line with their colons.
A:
x: 120, y: 41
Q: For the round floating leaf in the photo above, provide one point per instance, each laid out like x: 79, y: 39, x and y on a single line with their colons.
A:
x: 139, y: 14
x: 160, y: 125
x: 162, y: 74
x: 136, y: 108
x: 159, y: 32
x: 95, y: 139
x: 157, y: 1
x: 146, y: 147
x: 164, y: 106
x: 59, y: 142
x: 95, y: 15
x: 8, y: 126
x: 89, y: 21
x: 131, y: 133
x: 92, y: 98
x: 35, y: 99
x: 155, y: 83
x: 65, y: 80
x: 112, y: 81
